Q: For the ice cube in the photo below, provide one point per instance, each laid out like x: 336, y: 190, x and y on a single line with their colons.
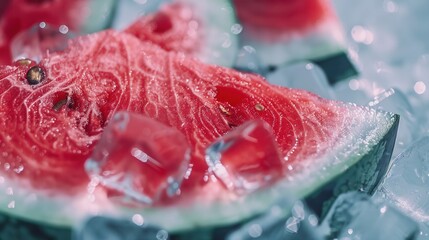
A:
x: 96, y: 228
x: 406, y: 185
x: 246, y: 158
x: 35, y: 42
x: 140, y: 158
x: 287, y: 219
x: 354, y: 215
x: 302, y: 75
x: 393, y: 100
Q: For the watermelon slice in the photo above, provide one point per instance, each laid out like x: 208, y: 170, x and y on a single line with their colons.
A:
x: 288, y: 31
x: 53, y: 115
x: 198, y: 28
x: 77, y: 15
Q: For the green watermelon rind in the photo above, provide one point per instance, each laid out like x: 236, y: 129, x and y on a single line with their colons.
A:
x: 367, y: 148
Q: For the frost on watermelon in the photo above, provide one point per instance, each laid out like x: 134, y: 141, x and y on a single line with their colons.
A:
x: 53, y: 114
x: 289, y: 31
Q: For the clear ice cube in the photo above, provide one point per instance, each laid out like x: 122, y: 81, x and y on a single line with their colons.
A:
x: 246, y: 158
x: 393, y: 100
x: 302, y: 75
x: 139, y: 157
x: 406, y: 184
x: 288, y: 219
x: 355, y: 215
x: 35, y: 42
x: 99, y: 227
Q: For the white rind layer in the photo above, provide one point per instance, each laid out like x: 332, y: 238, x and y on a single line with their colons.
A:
x: 364, y: 129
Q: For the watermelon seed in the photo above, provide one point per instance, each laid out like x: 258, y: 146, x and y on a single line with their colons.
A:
x: 259, y: 107
x: 35, y: 75
x: 224, y: 110
x: 66, y: 101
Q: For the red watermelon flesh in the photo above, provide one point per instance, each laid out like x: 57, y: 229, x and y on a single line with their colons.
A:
x: 283, y: 15
x: 270, y: 19
x: 20, y: 15
x: 52, y: 127
x: 174, y: 27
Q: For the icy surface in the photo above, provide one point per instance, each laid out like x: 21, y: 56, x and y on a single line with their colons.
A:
x: 139, y: 157
x: 355, y: 215
x: 406, y: 185
x: 393, y: 100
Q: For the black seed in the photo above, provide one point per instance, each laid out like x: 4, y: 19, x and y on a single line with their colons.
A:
x: 35, y: 75
x: 64, y: 102
x: 58, y: 105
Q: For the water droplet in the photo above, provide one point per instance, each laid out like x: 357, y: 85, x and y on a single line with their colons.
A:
x: 362, y: 35
x: 255, y: 230
x: 19, y: 169
x: 236, y: 28
x: 63, y: 29
x: 138, y: 219
x: 292, y: 224
x: 383, y: 209
x: 298, y: 210
x: 6, y: 166
x: 162, y: 235
x: 420, y: 87
x: 354, y: 84
x: 313, y: 220
x: 11, y: 204
x: 9, y: 191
